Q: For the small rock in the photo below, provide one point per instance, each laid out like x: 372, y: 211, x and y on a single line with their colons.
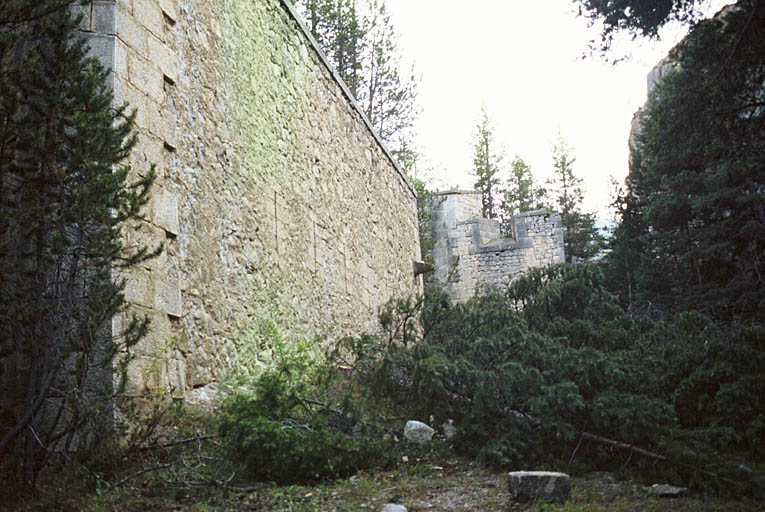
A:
x: 539, y: 485
x: 392, y: 507
x: 418, y: 432
x: 667, y: 491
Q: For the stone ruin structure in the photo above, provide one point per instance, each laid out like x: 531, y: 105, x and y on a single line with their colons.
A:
x: 469, y: 253
x: 276, y: 201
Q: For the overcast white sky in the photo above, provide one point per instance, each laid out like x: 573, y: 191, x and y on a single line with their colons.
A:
x: 522, y: 59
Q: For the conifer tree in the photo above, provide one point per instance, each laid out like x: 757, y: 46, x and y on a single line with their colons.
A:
x: 340, y: 30
x: 520, y: 194
x: 696, y: 187
x: 582, y: 240
x: 486, y: 166
x: 64, y: 199
x: 363, y: 49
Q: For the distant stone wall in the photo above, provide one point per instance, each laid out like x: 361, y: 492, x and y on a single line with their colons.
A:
x: 469, y: 253
x: 275, y: 200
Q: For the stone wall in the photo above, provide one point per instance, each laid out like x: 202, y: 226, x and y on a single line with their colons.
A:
x: 470, y: 254
x: 276, y: 202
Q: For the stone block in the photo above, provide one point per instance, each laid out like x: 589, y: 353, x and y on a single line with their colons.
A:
x: 167, y: 297
x: 146, y: 77
x: 166, y: 212
x: 169, y: 9
x: 148, y: 13
x: 137, y: 100
x: 85, y: 12
x: 120, y: 67
x: 138, y: 288
x: 132, y: 33
x: 161, y: 55
x: 162, y: 124
x: 104, y: 17
x: 147, y: 151
x: 393, y: 507
x: 102, y: 47
x: 539, y: 486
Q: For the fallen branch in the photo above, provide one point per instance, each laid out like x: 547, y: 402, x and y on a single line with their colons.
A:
x: 177, y: 443
x: 622, y: 446
x: 138, y: 473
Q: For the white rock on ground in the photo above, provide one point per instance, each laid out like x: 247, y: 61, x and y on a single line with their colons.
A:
x: 418, y: 432
x: 392, y: 507
x: 539, y: 486
x: 667, y: 491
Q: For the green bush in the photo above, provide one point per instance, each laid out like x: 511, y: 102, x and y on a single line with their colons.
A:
x: 524, y: 372
x: 291, y: 425
x: 297, y: 450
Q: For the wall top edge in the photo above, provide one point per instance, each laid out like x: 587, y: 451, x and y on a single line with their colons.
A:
x: 307, y: 33
x: 455, y: 192
x: 533, y: 213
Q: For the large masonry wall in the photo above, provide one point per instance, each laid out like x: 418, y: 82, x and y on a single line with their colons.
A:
x: 469, y: 253
x: 274, y: 199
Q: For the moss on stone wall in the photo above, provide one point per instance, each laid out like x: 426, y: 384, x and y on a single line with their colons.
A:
x: 267, y: 88
x: 277, y: 205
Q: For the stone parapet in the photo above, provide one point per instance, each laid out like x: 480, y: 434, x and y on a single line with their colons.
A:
x: 469, y: 254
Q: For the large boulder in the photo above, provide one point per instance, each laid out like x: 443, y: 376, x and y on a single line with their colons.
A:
x: 418, y: 432
x: 539, y: 486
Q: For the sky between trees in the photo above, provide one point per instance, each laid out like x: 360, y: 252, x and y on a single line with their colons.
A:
x: 523, y: 60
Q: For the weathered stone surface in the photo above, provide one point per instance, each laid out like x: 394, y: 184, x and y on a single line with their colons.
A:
x: 203, y: 396
x: 539, y: 486
x: 274, y: 199
x: 418, y: 432
x: 393, y: 507
x: 468, y: 252
x: 667, y: 491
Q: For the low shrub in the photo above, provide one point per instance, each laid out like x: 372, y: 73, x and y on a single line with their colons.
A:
x: 525, y: 372
x: 293, y: 423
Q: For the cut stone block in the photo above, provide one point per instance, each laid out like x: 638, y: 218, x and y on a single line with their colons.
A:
x: 167, y: 212
x: 164, y: 57
x: 539, y: 486
x: 104, y: 17
x: 168, y: 297
x: 170, y: 9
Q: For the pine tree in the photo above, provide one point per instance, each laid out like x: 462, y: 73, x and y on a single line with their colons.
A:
x: 637, y: 17
x: 582, y: 239
x: 697, y: 176
x: 340, y: 30
x: 388, y: 99
x: 364, y: 51
x: 486, y: 166
x: 64, y: 199
x: 519, y: 195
